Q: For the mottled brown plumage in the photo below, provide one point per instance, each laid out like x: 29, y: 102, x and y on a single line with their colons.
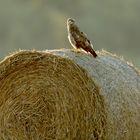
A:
x: 78, y: 39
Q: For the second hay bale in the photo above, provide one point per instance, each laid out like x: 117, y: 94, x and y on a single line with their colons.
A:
x: 43, y: 96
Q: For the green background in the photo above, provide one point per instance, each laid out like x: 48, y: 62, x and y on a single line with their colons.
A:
x: 113, y: 25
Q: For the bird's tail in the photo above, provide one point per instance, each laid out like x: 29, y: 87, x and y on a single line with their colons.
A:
x: 93, y: 53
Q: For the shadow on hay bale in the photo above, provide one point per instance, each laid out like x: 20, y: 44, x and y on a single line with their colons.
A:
x: 47, y: 97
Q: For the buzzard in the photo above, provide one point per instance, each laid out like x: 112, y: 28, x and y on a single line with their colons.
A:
x: 79, y: 39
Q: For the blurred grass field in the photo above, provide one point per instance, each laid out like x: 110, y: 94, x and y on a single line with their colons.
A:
x: 41, y: 24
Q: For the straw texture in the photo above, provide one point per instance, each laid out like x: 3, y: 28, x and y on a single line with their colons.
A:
x: 47, y: 97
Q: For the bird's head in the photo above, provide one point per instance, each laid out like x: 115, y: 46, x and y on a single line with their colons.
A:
x: 70, y: 21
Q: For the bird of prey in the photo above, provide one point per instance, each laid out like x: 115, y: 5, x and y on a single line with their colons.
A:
x: 78, y: 39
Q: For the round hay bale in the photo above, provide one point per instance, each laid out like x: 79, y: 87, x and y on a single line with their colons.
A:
x: 47, y: 97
